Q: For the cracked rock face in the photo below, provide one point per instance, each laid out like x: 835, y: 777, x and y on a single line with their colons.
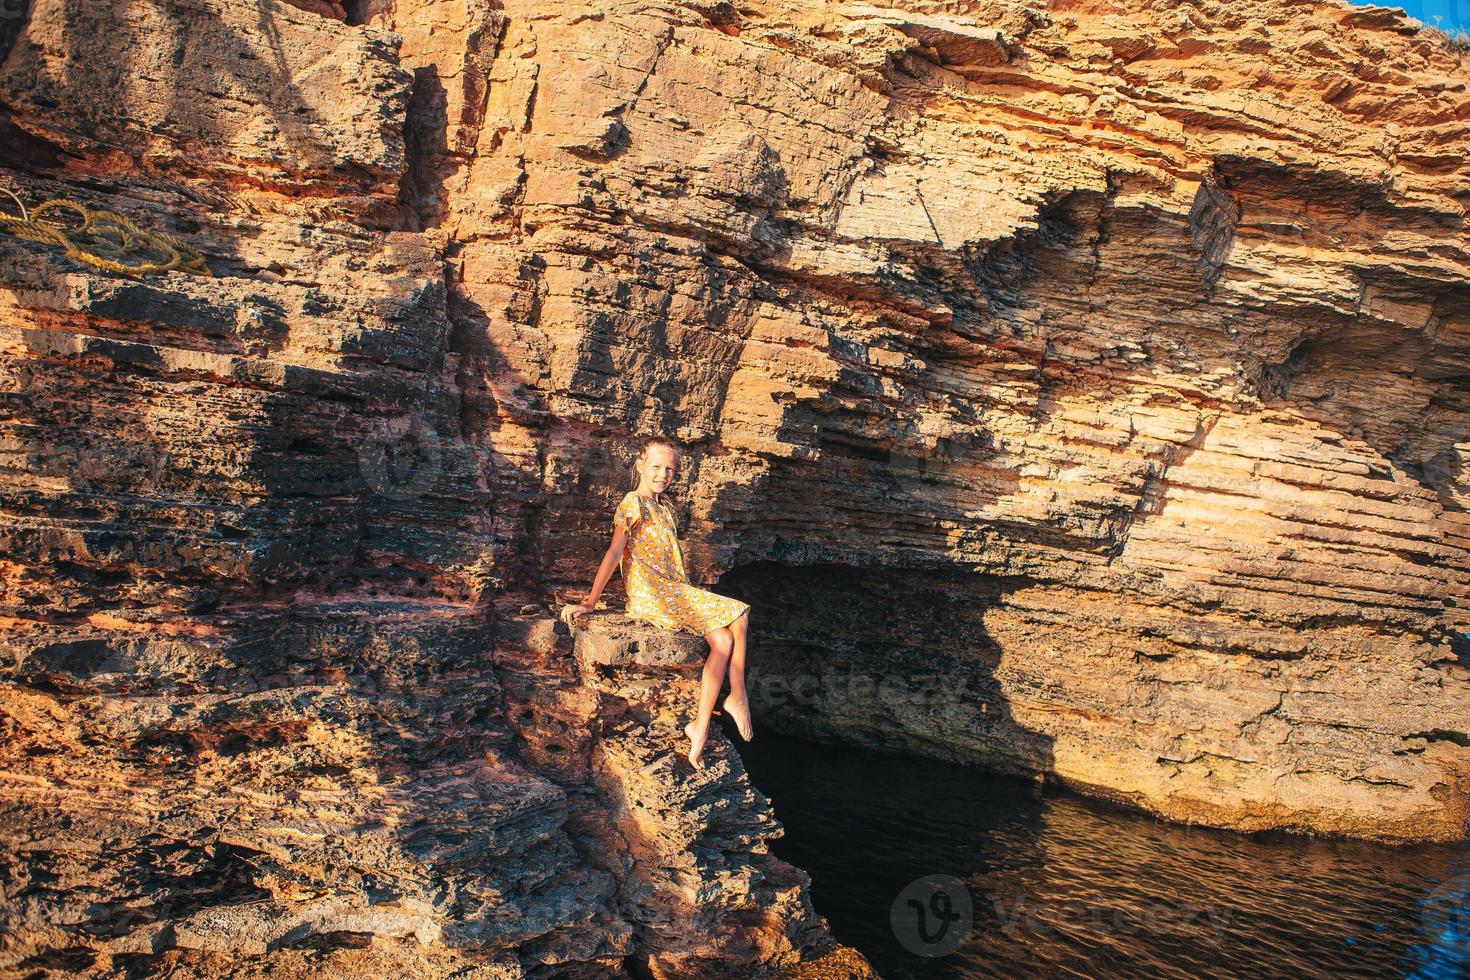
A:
x: 1136, y: 342
x: 274, y: 698
x: 1094, y: 378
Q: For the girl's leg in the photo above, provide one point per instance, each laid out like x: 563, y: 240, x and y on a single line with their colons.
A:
x: 738, y: 702
x: 720, y: 644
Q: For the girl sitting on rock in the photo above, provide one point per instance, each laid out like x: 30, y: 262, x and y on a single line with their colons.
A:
x: 645, y: 546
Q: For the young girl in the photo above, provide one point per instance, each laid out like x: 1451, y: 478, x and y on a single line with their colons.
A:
x: 645, y: 546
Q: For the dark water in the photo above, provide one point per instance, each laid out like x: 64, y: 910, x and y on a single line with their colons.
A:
x: 1061, y: 886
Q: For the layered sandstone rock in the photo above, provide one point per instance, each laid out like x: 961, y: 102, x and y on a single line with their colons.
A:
x: 271, y: 704
x: 1074, y: 389
x: 1136, y: 340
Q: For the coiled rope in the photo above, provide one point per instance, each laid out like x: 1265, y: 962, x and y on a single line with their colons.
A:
x: 103, y: 239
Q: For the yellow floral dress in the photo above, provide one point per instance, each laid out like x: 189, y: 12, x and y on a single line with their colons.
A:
x: 659, y: 591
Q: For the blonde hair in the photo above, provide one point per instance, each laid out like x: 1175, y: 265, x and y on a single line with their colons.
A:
x: 648, y: 443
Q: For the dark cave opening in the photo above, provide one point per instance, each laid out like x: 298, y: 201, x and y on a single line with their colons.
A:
x: 893, y: 659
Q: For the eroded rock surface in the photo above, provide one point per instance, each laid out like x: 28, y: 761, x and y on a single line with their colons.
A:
x: 271, y: 704
x: 1136, y: 339
x: 1100, y: 367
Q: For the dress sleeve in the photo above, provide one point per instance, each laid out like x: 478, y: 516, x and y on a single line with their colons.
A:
x: 628, y: 514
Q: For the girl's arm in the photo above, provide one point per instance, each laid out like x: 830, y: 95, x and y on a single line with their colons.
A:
x: 610, y: 560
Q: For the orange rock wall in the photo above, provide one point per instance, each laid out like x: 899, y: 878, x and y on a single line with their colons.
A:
x: 1105, y: 361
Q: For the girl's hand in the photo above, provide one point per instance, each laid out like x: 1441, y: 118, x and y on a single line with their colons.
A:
x: 572, y: 610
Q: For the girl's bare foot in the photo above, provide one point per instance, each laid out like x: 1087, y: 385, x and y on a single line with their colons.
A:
x: 696, y: 748
x: 740, y: 711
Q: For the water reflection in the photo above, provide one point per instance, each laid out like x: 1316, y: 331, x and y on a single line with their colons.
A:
x: 1062, y: 886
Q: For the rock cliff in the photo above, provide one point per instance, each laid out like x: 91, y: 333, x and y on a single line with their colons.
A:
x: 1074, y: 389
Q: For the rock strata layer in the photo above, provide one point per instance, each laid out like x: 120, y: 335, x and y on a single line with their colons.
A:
x: 1075, y: 389
x: 274, y: 699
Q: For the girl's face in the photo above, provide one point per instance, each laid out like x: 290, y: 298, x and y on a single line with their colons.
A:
x: 657, y: 468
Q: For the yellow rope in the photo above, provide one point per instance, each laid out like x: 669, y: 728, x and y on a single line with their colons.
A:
x: 103, y: 239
